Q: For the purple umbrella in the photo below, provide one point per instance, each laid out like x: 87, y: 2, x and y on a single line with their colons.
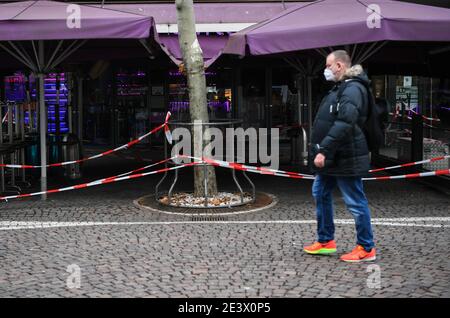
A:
x: 326, y: 23
x: 211, y: 46
x: 23, y: 23
x: 165, y: 15
x: 50, y: 20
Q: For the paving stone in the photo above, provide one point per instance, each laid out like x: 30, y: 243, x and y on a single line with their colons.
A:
x: 218, y: 260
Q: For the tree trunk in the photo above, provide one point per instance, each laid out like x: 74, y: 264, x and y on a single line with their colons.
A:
x: 195, y: 72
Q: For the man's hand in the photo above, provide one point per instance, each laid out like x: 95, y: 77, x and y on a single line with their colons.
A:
x: 319, y: 161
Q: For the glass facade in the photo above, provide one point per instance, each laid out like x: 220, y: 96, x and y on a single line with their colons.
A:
x: 406, y: 96
x: 131, y: 86
x: 126, y: 101
x: 218, y: 92
x: 124, y: 104
x: 19, y: 90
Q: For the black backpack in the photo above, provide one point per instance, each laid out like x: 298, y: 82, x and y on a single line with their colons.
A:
x: 374, y: 127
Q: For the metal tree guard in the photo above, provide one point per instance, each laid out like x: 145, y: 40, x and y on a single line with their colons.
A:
x: 221, y: 124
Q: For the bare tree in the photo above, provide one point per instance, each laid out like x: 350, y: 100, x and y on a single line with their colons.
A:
x: 195, y: 71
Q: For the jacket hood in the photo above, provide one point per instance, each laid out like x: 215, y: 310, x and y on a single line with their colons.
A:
x: 356, y: 72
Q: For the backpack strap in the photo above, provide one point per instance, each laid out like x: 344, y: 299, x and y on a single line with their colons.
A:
x: 340, y: 91
x: 344, y: 85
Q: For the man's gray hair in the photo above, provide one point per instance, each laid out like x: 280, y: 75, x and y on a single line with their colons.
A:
x: 342, y: 56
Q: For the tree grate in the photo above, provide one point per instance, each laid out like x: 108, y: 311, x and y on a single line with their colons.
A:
x: 207, y: 218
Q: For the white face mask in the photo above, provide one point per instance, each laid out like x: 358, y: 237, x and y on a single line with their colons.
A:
x: 329, y: 76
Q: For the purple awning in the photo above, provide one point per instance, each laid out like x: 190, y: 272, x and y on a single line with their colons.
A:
x: 212, y: 47
x: 50, y: 20
x: 231, y: 12
x: 331, y: 23
x: 65, y: 22
x: 205, y: 13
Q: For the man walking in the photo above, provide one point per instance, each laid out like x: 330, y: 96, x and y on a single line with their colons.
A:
x: 341, y: 156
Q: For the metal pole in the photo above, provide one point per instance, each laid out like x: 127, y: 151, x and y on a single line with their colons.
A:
x: 43, y: 134
x: 2, y: 170
x: 205, y: 183
x: 269, y: 121
x: 17, y: 118
x: 309, y: 83
x: 431, y: 104
x: 30, y: 117
x: 164, y: 176
x: 417, y: 138
x: 54, y: 54
x: 38, y: 62
x: 310, y: 110
x: 169, y: 194
x: 304, y: 152
x: 68, y: 51
x: 10, y: 123
x: 16, y: 56
x: 22, y: 138
x: 42, y: 120
x: 233, y: 173
x: 56, y: 108
x: 205, y: 171
x: 69, y: 101
x: 299, y: 101
x: 80, y: 109
x: 28, y: 88
x: 252, y: 185
x: 11, y: 140
x: 2, y: 176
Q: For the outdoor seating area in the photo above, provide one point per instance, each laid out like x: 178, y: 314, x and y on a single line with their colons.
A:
x: 266, y: 74
x: 239, y: 152
x: 14, y: 144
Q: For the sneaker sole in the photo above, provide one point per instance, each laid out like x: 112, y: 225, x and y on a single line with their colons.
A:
x: 369, y: 259
x: 323, y: 251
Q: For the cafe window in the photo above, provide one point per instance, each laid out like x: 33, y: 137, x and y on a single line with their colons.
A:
x: 409, y: 95
x: 218, y: 92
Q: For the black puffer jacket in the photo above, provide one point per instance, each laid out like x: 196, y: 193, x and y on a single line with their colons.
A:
x: 336, y: 130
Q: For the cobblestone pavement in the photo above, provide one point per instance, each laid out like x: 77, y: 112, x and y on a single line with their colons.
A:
x: 133, y: 252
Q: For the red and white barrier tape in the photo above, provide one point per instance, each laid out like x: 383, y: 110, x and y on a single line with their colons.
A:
x: 411, y: 175
x: 125, y: 146
x: 425, y: 124
x: 296, y: 175
x: 254, y: 169
x: 146, y: 167
x: 214, y: 162
x: 98, y: 182
x: 168, y: 133
x: 410, y: 118
x: 431, y: 118
x: 425, y: 117
x: 396, y: 114
x: 411, y: 163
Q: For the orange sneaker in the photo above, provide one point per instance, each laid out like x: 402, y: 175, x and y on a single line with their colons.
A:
x: 359, y: 254
x: 321, y: 248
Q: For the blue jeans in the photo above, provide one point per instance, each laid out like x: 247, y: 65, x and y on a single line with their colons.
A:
x: 355, y: 200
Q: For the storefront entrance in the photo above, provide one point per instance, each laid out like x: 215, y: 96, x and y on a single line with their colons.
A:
x: 271, y: 100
